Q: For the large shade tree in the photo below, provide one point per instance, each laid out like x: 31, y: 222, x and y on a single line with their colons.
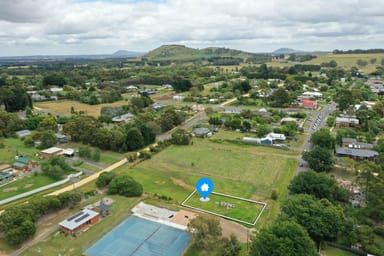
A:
x: 283, y: 238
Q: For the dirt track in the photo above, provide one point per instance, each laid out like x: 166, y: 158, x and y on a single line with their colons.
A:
x: 88, y: 179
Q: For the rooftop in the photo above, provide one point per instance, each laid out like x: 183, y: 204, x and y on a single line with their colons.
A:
x: 21, y: 159
x: 52, y: 150
x: 201, y: 131
x: 356, y: 152
x: 347, y: 120
x: 78, y: 219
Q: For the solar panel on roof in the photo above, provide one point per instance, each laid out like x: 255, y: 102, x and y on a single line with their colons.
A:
x: 75, y: 216
x: 81, y: 218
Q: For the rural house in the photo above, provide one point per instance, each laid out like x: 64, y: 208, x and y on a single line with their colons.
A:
x: 24, y: 164
x: 78, y: 221
x: 202, y: 132
x: 49, y: 152
x: 353, y: 143
x: 345, y: 122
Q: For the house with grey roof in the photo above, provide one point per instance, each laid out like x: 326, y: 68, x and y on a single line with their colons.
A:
x: 123, y: 118
x: 358, y: 154
x: 78, y: 221
x: 202, y: 132
x: 353, y: 143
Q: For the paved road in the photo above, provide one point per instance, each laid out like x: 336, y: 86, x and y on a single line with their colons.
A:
x: 317, y: 119
x: 194, y: 120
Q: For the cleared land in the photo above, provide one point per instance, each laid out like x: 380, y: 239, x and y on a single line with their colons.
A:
x: 64, y: 107
x: 238, y: 209
x: 343, y: 60
x: 239, y: 170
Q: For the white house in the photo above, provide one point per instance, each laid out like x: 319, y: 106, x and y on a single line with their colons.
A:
x: 276, y: 136
x: 178, y: 97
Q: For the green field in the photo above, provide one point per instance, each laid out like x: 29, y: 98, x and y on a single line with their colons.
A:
x: 24, y: 184
x: 239, y: 170
x: 238, y: 209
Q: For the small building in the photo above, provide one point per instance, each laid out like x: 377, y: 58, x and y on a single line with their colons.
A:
x: 49, y: 152
x: 132, y: 88
x: 288, y: 119
x: 61, y: 138
x: 56, y: 89
x: 5, y: 177
x: 5, y: 168
x: 353, y: 143
x: 346, y: 122
x: 123, y: 118
x: 157, y: 106
x: 213, y: 101
x: 24, y: 164
x: 78, y: 221
x: 23, y: 133
x: 306, y: 103
x: 262, y: 141
x: 168, y: 86
x: 68, y: 152
x: 358, y: 154
x: 276, y: 136
x: 202, y: 132
x: 178, y: 97
x: 312, y: 95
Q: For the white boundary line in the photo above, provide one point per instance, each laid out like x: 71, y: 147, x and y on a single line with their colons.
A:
x: 223, y: 216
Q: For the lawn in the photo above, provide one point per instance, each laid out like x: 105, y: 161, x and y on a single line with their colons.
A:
x: 331, y: 251
x: 230, y: 207
x: 59, y: 244
x: 15, y: 146
x: 24, y: 184
x: 64, y: 106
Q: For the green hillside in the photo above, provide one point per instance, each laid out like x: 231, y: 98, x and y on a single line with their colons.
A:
x: 219, y: 56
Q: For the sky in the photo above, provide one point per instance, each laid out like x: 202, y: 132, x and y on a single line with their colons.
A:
x: 60, y: 27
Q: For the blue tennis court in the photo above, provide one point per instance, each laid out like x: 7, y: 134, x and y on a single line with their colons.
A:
x: 141, y: 237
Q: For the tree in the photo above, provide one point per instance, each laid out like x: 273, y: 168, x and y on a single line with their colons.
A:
x: 181, y: 137
x: 125, y: 185
x: 231, y: 246
x: 319, y: 159
x: 283, y: 238
x: 134, y: 139
x: 318, y: 185
x: 182, y: 85
x: 56, y: 167
x: 104, y: 179
x: 205, y: 231
x: 280, y: 98
x: 18, y: 235
x: 54, y: 79
x: 82, y: 128
x: 49, y: 122
x: 320, y: 218
x: 9, y: 123
x: 344, y: 99
x: 323, y: 138
x: 47, y: 138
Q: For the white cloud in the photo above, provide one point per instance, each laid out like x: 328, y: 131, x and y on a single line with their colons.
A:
x: 69, y: 26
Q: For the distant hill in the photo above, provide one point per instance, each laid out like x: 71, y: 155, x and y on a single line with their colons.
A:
x: 126, y: 54
x: 284, y: 51
x: 220, y: 56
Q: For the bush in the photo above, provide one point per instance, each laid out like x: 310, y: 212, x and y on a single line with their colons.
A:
x: 125, y: 185
x: 104, y: 179
x: 274, y: 194
x: 379, y: 231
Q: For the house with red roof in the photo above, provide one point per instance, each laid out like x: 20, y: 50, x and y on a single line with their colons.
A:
x: 307, y: 103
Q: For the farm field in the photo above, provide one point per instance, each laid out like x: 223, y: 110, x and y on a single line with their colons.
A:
x: 64, y: 107
x: 345, y: 61
x: 239, y: 170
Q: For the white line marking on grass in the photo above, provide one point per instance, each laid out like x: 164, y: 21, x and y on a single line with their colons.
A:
x: 224, y: 216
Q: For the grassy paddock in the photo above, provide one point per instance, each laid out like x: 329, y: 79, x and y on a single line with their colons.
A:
x: 242, y: 210
x: 24, y: 184
x: 64, y: 106
x: 331, y: 251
